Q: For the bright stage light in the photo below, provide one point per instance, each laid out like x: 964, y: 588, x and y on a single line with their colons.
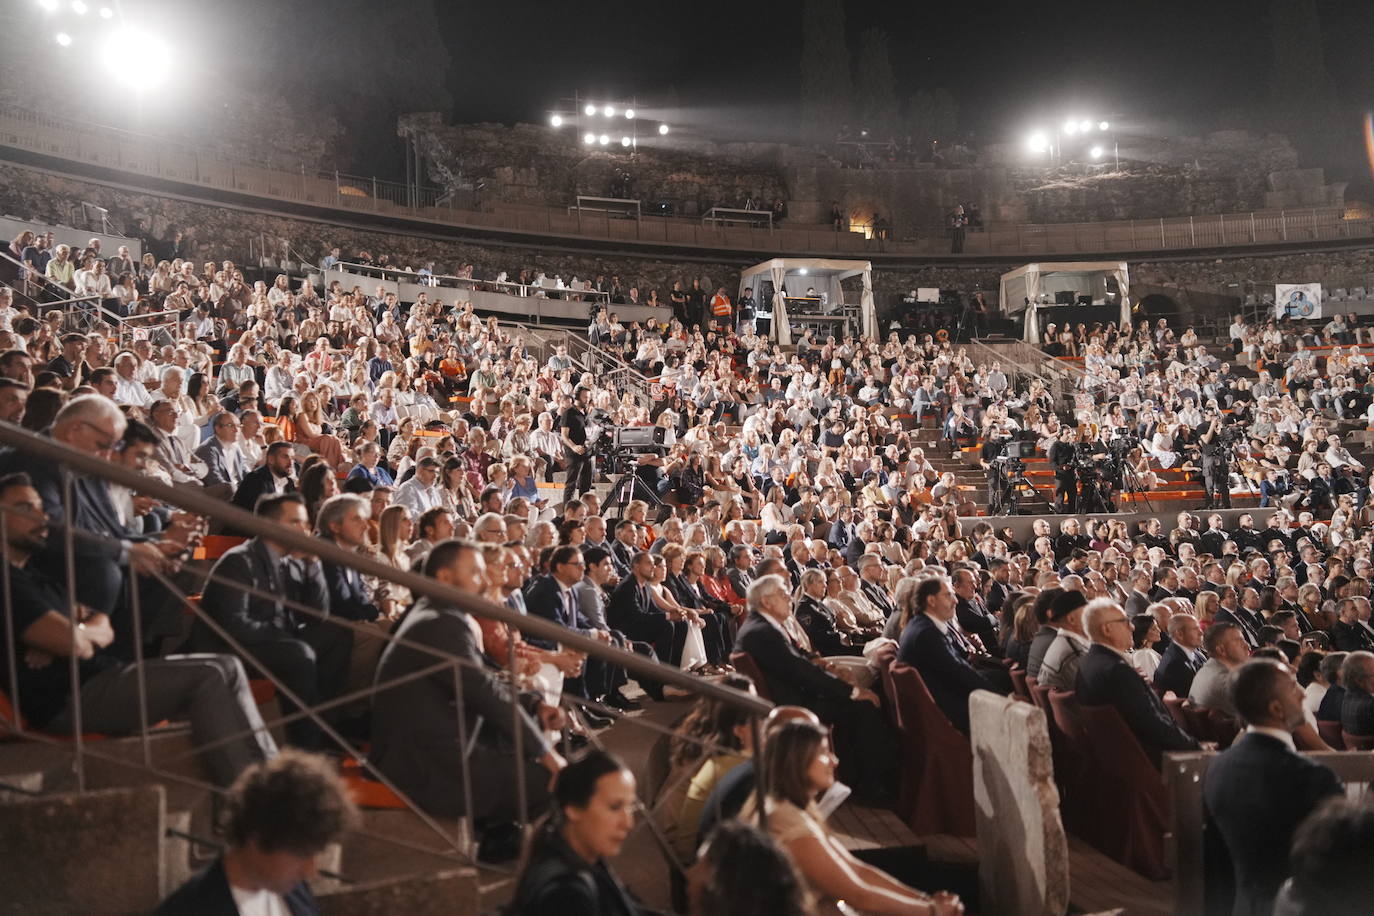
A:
x: 1070, y: 127
x: 137, y: 58
x: 556, y: 120
x: 629, y: 114
x: 625, y: 141
x: 589, y: 138
x: 1096, y: 152
x: 590, y: 109
x: 608, y: 111
x: 1085, y: 125
x: 79, y: 7
x: 663, y: 130
x: 802, y: 271
x: 106, y: 13
x: 603, y: 139
x: 1038, y: 142
x: 63, y: 39
x: 48, y: 5
x: 1102, y: 125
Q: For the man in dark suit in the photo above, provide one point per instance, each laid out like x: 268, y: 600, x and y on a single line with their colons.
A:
x: 1106, y: 677
x: 555, y: 597
x: 224, y: 465
x: 1246, y: 616
x: 623, y: 548
x: 934, y: 647
x: 999, y: 589
x: 633, y: 612
x: 1357, y: 708
x: 415, y: 732
x: 1261, y: 789
x: 1166, y: 583
x: 818, y: 620
x: 308, y: 655
x: 866, y: 746
x: 282, y: 816
x: 1347, y: 633
x: 871, y: 583
x: 1180, y: 661
x: 275, y: 476
x: 972, y: 613
x: 1139, y: 598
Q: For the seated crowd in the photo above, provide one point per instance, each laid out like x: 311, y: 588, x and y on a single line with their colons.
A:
x: 795, y: 530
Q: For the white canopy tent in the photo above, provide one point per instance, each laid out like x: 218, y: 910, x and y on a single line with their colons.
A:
x: 1027, y: 284
x: 796, y: 275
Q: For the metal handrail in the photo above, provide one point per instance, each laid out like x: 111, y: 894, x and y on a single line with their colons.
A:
x: 202, y: 504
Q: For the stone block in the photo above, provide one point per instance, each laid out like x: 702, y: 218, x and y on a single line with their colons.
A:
x: 98, y: 852
x: 1023, y: 852
x: 1296, y: 179
x: 446, y: 893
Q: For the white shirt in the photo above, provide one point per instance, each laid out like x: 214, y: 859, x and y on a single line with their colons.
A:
x: 1277, y: 734
x: 131, y: 391
x: 259, y: 903
x: 417, y: 497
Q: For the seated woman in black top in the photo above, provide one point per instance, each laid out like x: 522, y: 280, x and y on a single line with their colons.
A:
x: 565, y: 870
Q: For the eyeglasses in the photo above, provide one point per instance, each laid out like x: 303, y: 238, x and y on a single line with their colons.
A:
x: 107, y: 441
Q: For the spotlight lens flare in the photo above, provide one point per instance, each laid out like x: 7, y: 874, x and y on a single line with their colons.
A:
x: 1070, y: 127
x: 663, y: 130
x: 590, y: 109
x: 589, y: 138
x: 604, y: 139
x: 80, y: 8
x: 1096, y: 152
x: 1085, y: 125
x: 625, y: 141
x: 63, y: 39
x: 48, y: 5
x: 1103, y: 125
x: 608, y: 111
x: 556, y: 120
x: 1038, y: 142
x: 106, y: 13
x: 137, y: 59
x: 629, y: 114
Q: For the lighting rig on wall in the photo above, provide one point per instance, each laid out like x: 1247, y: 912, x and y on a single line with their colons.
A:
x: 601, y: 124
x: 1085, y: 137
x: 131, y: 55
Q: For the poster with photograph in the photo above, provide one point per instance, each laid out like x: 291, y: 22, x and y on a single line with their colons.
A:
x: 1298, y: 301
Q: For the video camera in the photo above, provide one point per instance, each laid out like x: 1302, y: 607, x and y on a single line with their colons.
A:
x: 1011, y: 458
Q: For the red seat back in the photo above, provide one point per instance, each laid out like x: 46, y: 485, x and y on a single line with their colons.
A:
x: 744, y: 663
x: 1331, y: 733
x: 1221, y: 728
x: 1358, y: 742
x: 1040, y: 696
x: 1018, y: 682
x: 943, y: 799
x: 1064, y: 705
x: 1131, y: 800
x: 1176, y: 709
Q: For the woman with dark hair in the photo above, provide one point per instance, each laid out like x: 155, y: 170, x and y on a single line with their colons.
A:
x: 41, y: 408
x: 318, y: 483
x: 740, y: 871
x: 798, y: 765
x: 1018, y: 614
x: 565, y: 870
x: 1144, y: 634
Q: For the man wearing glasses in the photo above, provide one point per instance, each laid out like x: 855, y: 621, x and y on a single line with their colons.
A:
x: 1106, y: 677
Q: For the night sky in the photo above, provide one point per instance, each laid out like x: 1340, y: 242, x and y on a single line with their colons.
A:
x: 1170, y: 63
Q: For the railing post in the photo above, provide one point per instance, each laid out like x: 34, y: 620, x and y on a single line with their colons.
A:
x: 1161, y: 232
x: 337, y: 201
x: 1283, y: 224
x: 1192, y: 232
x: 1223, y: 227
x: 1252, y: 226
x: 1314, y: 222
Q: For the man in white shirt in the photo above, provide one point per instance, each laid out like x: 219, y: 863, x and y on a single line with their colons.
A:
x: 421, y: 492
x: 128, y: 388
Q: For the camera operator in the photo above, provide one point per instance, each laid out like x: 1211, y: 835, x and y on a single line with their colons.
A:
x: 993, y: 448
x: 576, y: 448
x: 1062, y: 454
x: 1216, y: 463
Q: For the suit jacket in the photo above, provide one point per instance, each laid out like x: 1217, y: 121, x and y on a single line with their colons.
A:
x: 1329, y: 710
x: 974, y: 618
x: 790, y: 678
x: 997, y: 596
x: 622, y: 557
x: 1357, y: 712
x: 1257, y: 793
x: 543, y: 598
x: 414, y: 729
x: 1105, y: 679
x: 1136, y: 603
x: 740, y: 579
x: 1176, y: 670
x: 878, y: 597
x: 349, y: 596
x: 222, y: 465
x: 629, y: 603
x: 255, y: 483
x: 1350, y: 637
x: 821, y: 628
x: 207, y: 894
x: 1242, y: 620
x: 255, y: 619
x: 948, y: 675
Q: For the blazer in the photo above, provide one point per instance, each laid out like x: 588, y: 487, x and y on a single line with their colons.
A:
x: 628, y: 604
x: 254, y: 484
x: 1176, y: 670
x: 791, y: 679
x: 1350, y: 637
x: 254, y: 619
x: 1257, y: 793
x: 1357, y: 712
x: 349, y: 596
x: 1136, y: 603
x: 1106, y: 679
x: 1240, y: 619
x: 878, y: 597
x: 543, y: 599
x: 740, y: 579
x: 222, y: 466
x: 821, y: 628
x: 974, y: 618
x: 414, y: 728
x: 558, y: 880
x: 207, y: 893
x: 948, y: 675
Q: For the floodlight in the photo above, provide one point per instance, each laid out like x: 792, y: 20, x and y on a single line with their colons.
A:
x: 590, y: 109
x: 603, y: 139
x: 1038, y: 142
x: 556, y: 120
x: 137, y: 58
x: 1096, y: 152
x: 106, y: 13
x: 663, y: 130
x: 1070, y: 127
x: 1085, y: 125
x: 608, y: 111
x: 629, y: 114
x: 589, y: 138
x: 624, y: 141
x: 1102, y: 125
x: 64, y: 39
x: 48, y: 5
x: 802, y: 271
x: 79, y: 7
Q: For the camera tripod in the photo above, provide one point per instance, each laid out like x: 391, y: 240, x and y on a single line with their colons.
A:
x: 1007, y: 495
x: 1130, y: 484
